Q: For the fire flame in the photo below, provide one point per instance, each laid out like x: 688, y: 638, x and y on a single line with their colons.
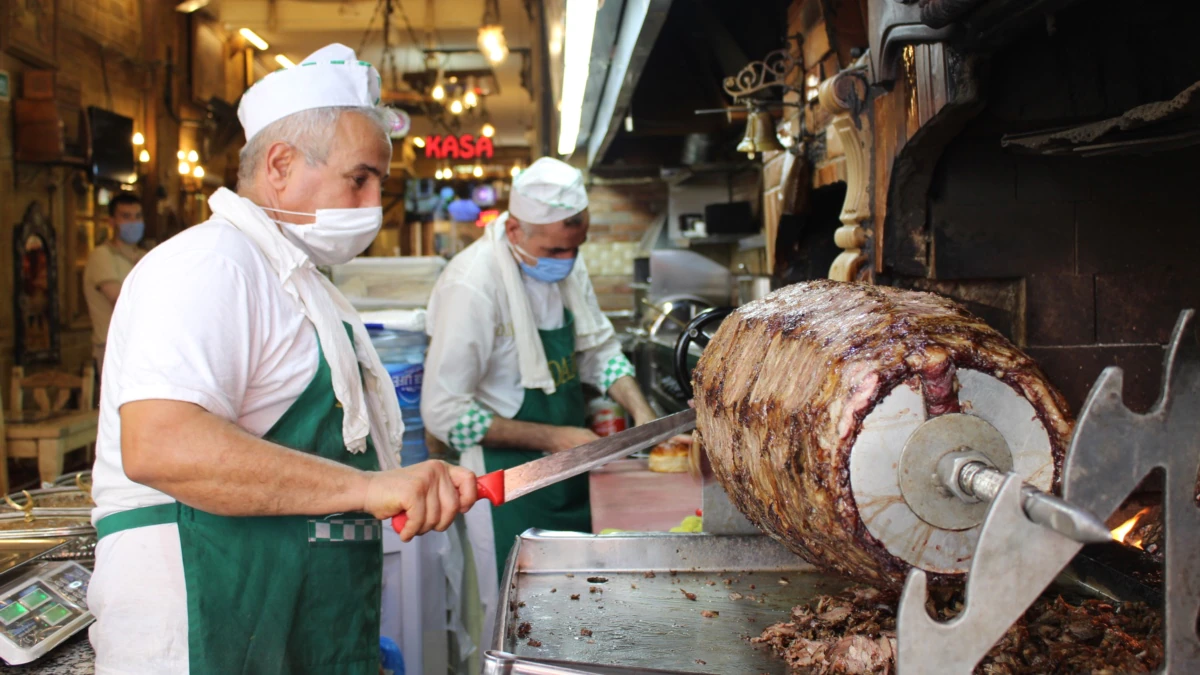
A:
x: 1122, y: 531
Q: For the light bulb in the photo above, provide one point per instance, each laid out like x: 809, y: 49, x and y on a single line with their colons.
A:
x: 184, y: 168
x: 488, y: 130
x: 439, y: 93
x: 254, y: 39
x: 193, y: 156
x: 144, y: 156
x: 198, y: 172
x: 478, y: 172
x: 181, y: 155
x: 515, y: 170
x: 456, y: 107
x: 470, y: 99
x: 418, y: 141
x: 139, y: 139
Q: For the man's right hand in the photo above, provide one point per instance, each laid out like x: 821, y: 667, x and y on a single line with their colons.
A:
x: 431, y: 493
x: 565, y: 438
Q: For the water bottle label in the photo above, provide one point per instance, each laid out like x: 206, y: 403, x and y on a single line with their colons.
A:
x: 407, y: 380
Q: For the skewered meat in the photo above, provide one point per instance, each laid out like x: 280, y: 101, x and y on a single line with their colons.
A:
x: 855, y: 632
x: 785, y: 392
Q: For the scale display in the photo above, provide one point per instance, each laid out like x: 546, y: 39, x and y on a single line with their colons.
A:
x: 42, y: 607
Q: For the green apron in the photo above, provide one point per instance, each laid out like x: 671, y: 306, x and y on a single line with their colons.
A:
x: 565, y: 505
x: 281, y: 595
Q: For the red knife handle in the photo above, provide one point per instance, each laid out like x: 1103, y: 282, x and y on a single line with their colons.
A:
x: 490, y: 487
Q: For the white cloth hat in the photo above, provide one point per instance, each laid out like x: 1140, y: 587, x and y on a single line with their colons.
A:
x: 548, y: 191
x: 330, y: 77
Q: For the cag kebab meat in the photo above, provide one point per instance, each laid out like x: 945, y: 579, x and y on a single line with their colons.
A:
x: 804, y: 400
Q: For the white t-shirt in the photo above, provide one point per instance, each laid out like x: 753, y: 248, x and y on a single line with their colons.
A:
x: 201, y: 319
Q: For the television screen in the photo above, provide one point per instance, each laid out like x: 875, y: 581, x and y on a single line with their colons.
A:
x: 112, y: 146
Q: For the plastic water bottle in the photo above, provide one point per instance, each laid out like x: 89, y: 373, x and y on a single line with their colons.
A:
x: 390, y: 657
x: 403, y: 355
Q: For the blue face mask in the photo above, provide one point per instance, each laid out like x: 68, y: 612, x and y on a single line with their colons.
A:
x: 131, y: 233
x: 548, y: 270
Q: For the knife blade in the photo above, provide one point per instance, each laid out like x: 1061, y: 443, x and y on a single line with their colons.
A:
x: 506, y: 485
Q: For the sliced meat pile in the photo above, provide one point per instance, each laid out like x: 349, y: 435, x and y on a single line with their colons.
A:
x: 855, y: 632
x: 783, y: 388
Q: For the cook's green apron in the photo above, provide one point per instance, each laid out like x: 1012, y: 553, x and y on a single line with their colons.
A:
x: 565, y: 505
x: 281, y: 595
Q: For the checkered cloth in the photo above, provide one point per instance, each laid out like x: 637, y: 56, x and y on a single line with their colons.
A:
x: 616, y: 368
x: 344, y: 529
x: 470, y: 429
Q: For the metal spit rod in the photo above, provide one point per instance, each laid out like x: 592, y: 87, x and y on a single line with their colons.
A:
x: 972, y: 479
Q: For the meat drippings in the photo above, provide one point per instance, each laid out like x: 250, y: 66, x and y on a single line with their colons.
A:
x: 855, y: 632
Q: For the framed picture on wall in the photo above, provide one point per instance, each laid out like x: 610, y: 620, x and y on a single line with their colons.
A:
x: 27, y: 31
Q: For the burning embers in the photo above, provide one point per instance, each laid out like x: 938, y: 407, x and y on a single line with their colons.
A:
x: 1144, y: 530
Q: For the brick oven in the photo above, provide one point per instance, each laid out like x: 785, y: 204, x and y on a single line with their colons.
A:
x: 1036, y: 160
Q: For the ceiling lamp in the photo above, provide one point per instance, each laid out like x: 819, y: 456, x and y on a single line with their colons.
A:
x: 198, y: 172
x: 254, y: 39
x: 581, y: 25
x: 439, y: 92
x: 138, y: 138
x: 190, y: 6
x: 488, y: 130
x: 456, y: 107
x: 419, y: 142
x: 515, y: 171
x: 284, y: 61
x: 478, y: 171
x: 181, y: 155
x: 193, y: 156
x: 470, y: 99
x: 760, y: 133
x: 491, y: 34
x: 144, y: 156
x: 184, y: 168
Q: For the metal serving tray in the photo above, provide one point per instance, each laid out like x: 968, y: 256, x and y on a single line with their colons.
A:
x: 644, y: 622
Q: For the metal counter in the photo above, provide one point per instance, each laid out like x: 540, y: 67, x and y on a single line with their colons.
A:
x: 645, y: 621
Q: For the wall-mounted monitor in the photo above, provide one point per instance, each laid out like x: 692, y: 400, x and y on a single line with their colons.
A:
x: 112, y: 146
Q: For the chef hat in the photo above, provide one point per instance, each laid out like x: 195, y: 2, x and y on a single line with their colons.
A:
x: 330, y: 77
x: 547, y: 192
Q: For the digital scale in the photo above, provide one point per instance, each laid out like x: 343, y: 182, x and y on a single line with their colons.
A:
x: 41, y: 605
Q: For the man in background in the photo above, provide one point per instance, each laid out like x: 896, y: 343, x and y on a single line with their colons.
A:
x: 462, y: 209
x: 109, y: 264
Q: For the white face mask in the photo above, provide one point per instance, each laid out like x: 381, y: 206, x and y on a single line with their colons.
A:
x: 337, y: 235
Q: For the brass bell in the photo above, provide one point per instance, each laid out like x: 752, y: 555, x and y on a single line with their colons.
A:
x: 760, y: 133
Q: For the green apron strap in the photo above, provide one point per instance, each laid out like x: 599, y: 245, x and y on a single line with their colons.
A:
x: 160, y: 514
x: 564, y: 506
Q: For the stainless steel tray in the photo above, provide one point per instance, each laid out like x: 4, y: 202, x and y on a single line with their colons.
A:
x: 647, y: 622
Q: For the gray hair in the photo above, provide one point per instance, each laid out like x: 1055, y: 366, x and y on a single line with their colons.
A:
x: 309, y: 131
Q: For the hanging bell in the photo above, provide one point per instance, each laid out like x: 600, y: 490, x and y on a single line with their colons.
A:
x: 760, y: 133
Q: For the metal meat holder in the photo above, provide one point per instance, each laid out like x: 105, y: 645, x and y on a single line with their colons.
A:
x: 1111, y: 451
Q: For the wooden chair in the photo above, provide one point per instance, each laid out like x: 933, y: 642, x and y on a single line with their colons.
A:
x: 62, y: 419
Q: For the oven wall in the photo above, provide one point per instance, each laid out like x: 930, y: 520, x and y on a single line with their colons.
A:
x: 1084, y: 262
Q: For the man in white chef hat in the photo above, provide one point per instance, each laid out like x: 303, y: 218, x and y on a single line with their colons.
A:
x: 515, y: 330
x: 249, y: 436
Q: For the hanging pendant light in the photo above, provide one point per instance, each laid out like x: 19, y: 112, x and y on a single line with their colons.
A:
x: 456, y: 107
x: 760, y: 133
x: 492, y: 44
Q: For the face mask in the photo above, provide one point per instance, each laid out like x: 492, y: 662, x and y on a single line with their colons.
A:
x: 131, y: 233
x: 549, y: 270
x: 336, y: 235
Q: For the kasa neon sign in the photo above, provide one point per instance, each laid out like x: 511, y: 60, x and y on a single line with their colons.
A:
x: 465, y: 146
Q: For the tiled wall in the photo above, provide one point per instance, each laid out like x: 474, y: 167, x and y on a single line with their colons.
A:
x: 621, y: 213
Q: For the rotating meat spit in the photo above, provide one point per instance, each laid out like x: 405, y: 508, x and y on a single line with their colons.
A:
x: 1111, y: 451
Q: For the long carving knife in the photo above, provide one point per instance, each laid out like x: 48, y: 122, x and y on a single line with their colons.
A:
x: 506, y: 485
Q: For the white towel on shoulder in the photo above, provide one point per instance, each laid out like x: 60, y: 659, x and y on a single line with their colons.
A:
x: 375, y: 410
